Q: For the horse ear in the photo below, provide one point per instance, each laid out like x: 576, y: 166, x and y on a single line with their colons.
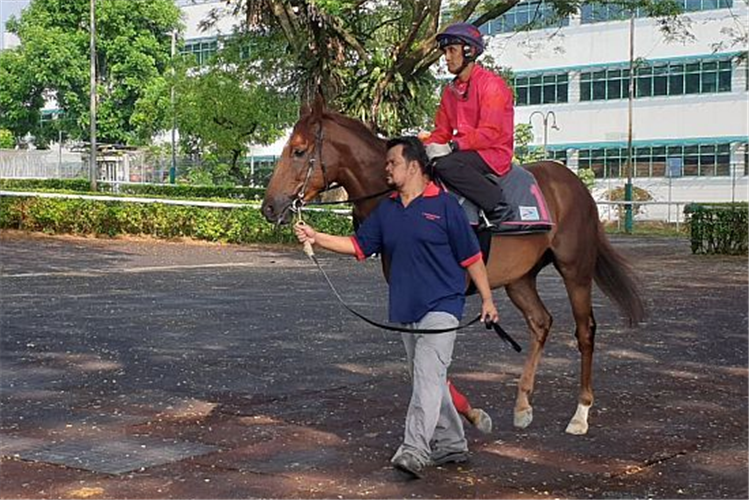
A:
x: 318, y: 106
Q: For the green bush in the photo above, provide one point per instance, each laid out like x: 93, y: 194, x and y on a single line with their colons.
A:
x: 6, y: 139
x: 112, y: 218
x: 185, y: 191
x: 82, y: 185
x: 156, y: 190
x: 718, y: 228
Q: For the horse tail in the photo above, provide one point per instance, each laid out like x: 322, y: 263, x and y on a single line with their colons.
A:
x: 615, y: 277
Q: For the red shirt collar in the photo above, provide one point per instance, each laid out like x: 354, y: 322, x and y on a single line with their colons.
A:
x: 430, y: 191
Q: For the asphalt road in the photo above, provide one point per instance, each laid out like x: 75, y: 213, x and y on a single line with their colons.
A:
x: 145, y: 369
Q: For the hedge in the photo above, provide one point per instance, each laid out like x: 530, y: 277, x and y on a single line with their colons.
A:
x: 718, y: 228
x: 179, y: 191
x: 112, y: 218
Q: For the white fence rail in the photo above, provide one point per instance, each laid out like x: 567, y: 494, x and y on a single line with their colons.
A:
x: 46, y: 164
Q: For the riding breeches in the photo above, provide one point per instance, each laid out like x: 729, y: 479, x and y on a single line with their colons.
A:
x: 465, y: 172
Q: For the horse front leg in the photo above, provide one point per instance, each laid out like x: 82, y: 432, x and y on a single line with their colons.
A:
x: 585, y: 332
x: 523, y: 294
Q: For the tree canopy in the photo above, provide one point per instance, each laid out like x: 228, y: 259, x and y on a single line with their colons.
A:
x: 372, y: 58
x: 133, y: 51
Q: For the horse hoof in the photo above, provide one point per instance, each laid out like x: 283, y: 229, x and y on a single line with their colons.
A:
x: 481, y: 420
x: 577, y: 428
x: 523, y: 418
x: 579, y: 423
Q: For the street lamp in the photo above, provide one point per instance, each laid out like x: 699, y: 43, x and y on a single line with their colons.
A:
x: 545, y: 117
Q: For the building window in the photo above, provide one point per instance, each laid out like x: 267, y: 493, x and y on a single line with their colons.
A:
x: 541, y: 89
x: 534, y: 14
x: 604, y: 84
x: 559, y: 155
x: 699, y: 160
x: 600, y: 12
x: 658, y: 79
x: 203, y: 50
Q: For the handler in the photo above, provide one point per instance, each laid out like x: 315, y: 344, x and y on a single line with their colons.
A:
x: 425, y: 236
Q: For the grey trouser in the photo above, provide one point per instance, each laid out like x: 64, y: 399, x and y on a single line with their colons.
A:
x: 433, y: 425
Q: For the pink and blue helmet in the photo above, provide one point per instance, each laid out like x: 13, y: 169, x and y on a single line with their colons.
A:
x: 461, y: 34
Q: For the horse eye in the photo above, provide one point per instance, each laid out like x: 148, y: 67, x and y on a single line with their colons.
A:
x: 299, y: 153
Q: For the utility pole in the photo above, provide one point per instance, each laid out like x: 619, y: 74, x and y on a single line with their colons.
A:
x: 92, y: 170
x: 628, y: 186
x: 173, y: 168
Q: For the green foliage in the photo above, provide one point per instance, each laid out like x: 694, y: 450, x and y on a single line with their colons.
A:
x: 587, y: 176
x: 638, y: 194
x: 524, y: 153
x: 235, y: 225
x: 234, y: 101
x: 74, y: 185
x: 178, y: 191
x: 6, y: 139
x: 718, y: 228
x: 133, y: 51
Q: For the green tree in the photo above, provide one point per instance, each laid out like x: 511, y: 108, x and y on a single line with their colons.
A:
x: 371, y: 58
x: 235, y: 101
x: 133, y: 51
x: 6, y: 139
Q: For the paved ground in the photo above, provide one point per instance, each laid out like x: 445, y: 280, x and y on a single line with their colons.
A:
x: 141, y: 369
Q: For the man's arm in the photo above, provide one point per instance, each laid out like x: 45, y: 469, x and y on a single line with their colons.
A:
x: 338, y: 244
x: 477, y: 272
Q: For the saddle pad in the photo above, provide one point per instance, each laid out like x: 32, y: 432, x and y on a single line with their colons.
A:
x: 523, y: 208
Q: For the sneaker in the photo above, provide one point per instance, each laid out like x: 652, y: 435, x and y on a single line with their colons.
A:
x: 451, y: 457
x: 408, y: 463
x: 480, y: 420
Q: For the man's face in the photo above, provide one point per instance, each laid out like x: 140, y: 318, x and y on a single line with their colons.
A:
x: 396, y: 167
x: 453, y: 58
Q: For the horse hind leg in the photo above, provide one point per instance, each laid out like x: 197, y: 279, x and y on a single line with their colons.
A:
x: 524, y: 295
x: 585, y: 331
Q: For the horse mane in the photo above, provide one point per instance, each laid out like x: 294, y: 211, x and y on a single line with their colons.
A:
x: 355, y: 126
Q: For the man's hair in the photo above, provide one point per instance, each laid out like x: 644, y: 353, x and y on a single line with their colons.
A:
x: 413, y: 150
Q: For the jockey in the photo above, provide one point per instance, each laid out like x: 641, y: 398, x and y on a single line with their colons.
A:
x: 474, y: 126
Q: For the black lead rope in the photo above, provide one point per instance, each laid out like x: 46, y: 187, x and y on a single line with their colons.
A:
x: 489, y: 324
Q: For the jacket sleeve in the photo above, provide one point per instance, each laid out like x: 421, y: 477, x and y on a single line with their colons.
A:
x: 495, y: 105
x: 442, y: 132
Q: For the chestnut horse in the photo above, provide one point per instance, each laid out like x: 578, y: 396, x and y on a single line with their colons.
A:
x: 327, y: 148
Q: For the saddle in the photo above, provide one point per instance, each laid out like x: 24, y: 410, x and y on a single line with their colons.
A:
x: 522, y: 209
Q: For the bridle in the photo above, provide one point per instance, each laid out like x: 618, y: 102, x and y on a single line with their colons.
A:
x: 298, y: 203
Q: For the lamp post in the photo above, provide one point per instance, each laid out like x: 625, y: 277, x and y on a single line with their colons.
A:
x: 545, y: 118
x: 92, y: 42
x: 173, y: 168
x: 630, y: 98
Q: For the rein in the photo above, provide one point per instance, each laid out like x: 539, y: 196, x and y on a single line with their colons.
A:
x: 489, y: 324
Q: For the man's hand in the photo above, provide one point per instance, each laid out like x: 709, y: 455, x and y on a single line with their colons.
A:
x: 489, y: 311
x: 304, y: 233
x: 424, y: 135
x: 438, y: 150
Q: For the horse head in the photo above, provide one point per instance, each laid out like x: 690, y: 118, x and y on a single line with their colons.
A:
x: 324, y: 148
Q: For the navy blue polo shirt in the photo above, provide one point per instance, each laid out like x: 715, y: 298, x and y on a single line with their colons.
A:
x: 429, y: 244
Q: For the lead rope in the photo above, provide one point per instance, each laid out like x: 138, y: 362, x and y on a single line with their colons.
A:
x: 309, y: 252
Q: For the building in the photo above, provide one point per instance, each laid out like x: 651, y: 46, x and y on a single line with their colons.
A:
x: 689, y: 116
x: 9, y: 8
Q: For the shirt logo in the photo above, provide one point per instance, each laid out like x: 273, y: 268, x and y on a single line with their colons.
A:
x: 429, y: 216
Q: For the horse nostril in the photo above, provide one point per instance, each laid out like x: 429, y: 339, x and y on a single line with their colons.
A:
x: 267, y: 210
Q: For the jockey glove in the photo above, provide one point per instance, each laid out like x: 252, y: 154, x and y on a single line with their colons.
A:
x: 438, y: 150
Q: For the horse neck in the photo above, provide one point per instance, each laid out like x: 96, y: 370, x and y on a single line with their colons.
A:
x: 361, y: 169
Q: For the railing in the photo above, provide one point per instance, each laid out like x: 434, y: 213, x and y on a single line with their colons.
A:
x: 651, y: 211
